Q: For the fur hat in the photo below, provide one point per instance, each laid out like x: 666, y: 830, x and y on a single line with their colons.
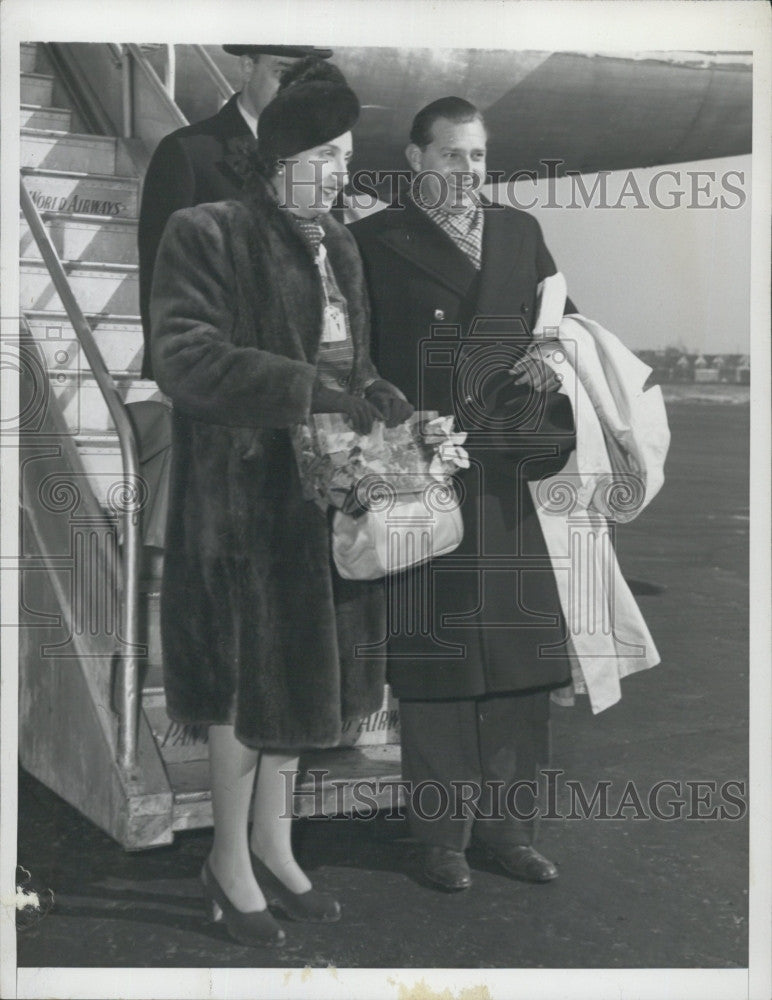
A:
x: 313, y: 105
x: 289, y: 51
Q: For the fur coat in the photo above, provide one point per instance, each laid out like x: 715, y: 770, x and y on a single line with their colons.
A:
x: 257, y: 629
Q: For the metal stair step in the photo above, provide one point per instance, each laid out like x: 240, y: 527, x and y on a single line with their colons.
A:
x: 154, y: 679
x: 98, y: 287
x: 79, y: 236
x: 83, y: 406
x: 35, y: 59
x: 331, y: 795
x: 36, y: 88
x: 56, y: 150
x: 100, y: 456
x: 119, y: 338
x: 34, y: 116
x: 74, y: 191
x: 192, y: 796
x: 101, y: 459
x: 176, y: 743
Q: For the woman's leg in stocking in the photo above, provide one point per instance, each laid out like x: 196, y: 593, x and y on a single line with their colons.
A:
x: 232, y: 769
x: 272, y: 819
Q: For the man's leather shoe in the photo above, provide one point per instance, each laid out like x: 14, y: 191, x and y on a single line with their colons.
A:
x: 523, y: 862
x: 447, y: 868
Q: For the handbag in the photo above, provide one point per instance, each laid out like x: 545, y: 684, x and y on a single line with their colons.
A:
x: 393, y: 490
x: 397, y: 530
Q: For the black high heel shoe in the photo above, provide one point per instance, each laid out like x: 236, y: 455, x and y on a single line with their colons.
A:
x: 255, y: 929
x: 318, y: 907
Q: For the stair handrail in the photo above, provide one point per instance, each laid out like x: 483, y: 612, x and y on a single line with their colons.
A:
x: 128, y: 702
x: 216, y: 75
x: 141, y: 60
x: 131, y: 52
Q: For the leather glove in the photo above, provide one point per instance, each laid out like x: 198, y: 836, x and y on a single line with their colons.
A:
x: 533, y: 373
x: 360, y: 412
x: 393, y: 408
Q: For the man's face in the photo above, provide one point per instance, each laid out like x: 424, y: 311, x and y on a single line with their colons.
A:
x: 456, y: 159
x: 261, y: 76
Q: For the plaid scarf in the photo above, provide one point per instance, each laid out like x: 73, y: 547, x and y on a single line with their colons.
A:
x: 464, y: 228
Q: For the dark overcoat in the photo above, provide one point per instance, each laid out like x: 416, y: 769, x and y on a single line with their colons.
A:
x: 199, y: 163
x: 256, y: 628
x: 487, y: 618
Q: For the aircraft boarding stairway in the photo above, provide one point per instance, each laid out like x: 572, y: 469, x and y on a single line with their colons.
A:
x: 119, y: 761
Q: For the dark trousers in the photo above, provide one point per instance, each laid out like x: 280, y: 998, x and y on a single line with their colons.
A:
x: 464, y: 759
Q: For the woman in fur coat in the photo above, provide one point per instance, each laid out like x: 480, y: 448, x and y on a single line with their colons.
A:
x: 259, y: 317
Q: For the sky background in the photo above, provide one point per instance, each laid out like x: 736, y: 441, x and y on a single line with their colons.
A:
x: 656, y: 277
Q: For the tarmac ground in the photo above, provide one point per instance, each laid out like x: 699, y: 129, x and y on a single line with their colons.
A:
x: 634, y: 891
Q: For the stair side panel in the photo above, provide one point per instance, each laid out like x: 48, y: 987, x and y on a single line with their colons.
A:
x: 64, y: 743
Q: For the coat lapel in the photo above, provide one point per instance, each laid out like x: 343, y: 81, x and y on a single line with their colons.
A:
x: 418, y: 240
x: 501, y: 248
x: 237, y: 142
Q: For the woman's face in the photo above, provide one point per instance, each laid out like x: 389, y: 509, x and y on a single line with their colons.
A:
x: 309, y: 182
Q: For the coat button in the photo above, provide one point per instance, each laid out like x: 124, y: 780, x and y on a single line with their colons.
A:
x: 524, y: 307
x: 439, y: 314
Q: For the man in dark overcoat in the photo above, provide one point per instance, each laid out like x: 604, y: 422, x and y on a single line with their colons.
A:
x: 204, y: 162
x: 477, y: 642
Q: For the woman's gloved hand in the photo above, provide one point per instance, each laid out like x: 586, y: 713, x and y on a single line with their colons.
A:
x: 392, y: 406
x: 360, y: 412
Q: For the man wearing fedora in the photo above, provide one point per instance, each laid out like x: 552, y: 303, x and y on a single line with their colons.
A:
x: 203, y: 162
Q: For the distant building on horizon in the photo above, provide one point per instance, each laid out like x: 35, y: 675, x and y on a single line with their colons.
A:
x: 672, y: 364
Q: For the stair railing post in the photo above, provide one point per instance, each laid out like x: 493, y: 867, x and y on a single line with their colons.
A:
x: 170, y: 74
x: 224, y: 89
x: 128, y: 717
x: 127, y: 95
x: 140, y: 64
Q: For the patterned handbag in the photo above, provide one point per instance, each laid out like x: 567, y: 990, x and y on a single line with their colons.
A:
x: 396, y: 502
